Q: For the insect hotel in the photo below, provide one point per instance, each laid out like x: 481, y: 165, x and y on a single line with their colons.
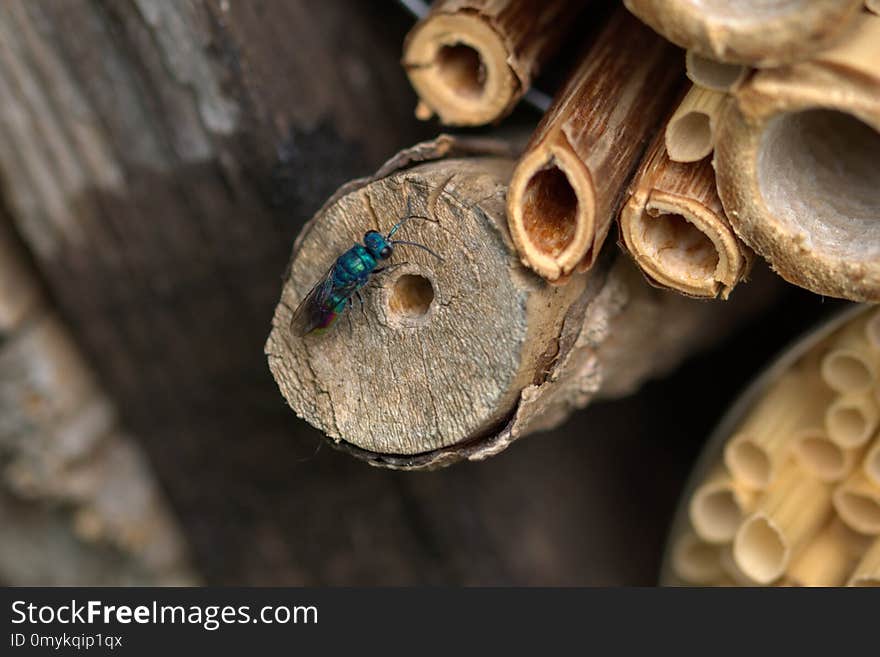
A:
x: 250, y: 250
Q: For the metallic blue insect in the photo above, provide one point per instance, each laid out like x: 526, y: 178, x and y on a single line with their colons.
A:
x: 330, y: 296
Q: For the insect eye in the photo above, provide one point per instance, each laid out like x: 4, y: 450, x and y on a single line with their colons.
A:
x: 385, y: 252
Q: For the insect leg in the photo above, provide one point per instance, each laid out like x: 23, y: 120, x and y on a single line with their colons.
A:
x: 361, y: 299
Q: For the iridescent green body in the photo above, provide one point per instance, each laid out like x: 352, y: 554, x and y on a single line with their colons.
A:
x: 351, y: 271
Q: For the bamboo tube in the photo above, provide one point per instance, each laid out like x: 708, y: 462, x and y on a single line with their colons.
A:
x: 712, y: 74
x: 867, y: 573
x: 850, y: 364
x: 734, y: 574
x: 470, y: 61
x: 794, y: 508
x: 690, y: 132
x: 871, y: 464
x: 828, y: 559
x: 565, y: 190
x: 852, y: 419
x: 821, y: 457
x: 872, y: 333
x: 675, y: 228
x: 718, y: 506
x: 695, y: 561
x: 857, y: 502
x: 758, y: 449
x: 796, y: 166
x: 753, y: 32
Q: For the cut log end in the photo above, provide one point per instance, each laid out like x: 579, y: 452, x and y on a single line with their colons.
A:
x: 458, y: 66
x: 441, y: 350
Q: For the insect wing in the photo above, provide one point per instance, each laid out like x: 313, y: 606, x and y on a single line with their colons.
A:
x: 314, y: 312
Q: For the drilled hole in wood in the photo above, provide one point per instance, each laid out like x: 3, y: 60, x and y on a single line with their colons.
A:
x: 411, y: 297
x: 680, y: 246
x: 461, y: 68
x: 817, y: 171
x: 550, y: 208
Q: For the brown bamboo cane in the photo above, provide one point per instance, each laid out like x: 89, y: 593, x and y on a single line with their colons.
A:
x: 470, y: 61
x: 568, y: 185
x: 676, y: 230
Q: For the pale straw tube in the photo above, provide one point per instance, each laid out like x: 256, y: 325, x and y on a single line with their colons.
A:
x: 788, y: 516
x: 857, y: 502
x: 712, y: 74
x: 867, y: 573
x: 852, y: 419
x: 757, y: 450
x: 828, y: 559
x: 850, y: 365
x: 690, y: 132
x: 718, y: 506
x: 871, y: 464
x: 696, y: 561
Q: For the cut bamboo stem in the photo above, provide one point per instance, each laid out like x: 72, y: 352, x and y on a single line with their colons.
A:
x: 850, y: 365
x: 857, y: 502
x: 566, y: 188
x: 828, y: 559
x: 867, y: 573
x: 852, y: 419
x: 796, y: 164
x: 470, y: 61
x: 787, y: 517
x: 751, y: 32
x: 718, y: 507
x: 690, y: 132
x: 696, y: 561
x: 675, y: 228
x: 757, y: 451
x: 871, y: 463
x: 712, y: 74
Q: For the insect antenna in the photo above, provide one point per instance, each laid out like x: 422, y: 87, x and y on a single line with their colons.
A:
x: 404, y: 220
x: 421, y: 246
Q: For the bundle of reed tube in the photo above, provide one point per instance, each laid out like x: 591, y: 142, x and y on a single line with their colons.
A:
x: 757, y: 132
x: 794, y: 497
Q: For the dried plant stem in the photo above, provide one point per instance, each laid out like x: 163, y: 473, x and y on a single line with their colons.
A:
x: 566, y: 188
x: 796, y: 164
x: 675, y: 228
x: 690, y: 132
x: 828, y: 559
x: 786, y: 518
x: 867, y: 573
x: 712, y: 74
x: 718, y: 506
x: 470, y: 61
x: 857, y: 502
x: 749, y: 31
